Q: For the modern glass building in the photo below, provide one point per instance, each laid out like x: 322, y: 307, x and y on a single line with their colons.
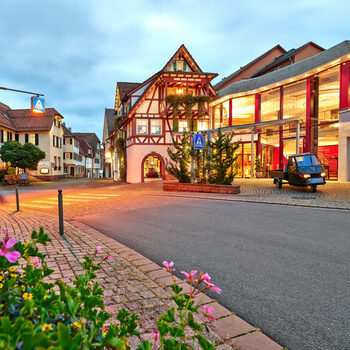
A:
x: 314, y: 91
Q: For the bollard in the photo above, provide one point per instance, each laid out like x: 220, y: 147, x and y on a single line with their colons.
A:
x: 60, y: 212
x: 17, y: 199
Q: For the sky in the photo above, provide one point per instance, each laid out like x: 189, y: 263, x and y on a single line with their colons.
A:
x: 74, y: 52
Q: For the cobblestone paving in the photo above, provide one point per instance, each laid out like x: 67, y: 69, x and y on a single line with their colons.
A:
x: 130, y: 280
x: 333, y: 195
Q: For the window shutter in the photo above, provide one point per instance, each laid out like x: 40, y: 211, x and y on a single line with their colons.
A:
x: 194, y: 125
x: 176, y: 125
x: 174, y: 65
x: 26, y: 138
x: 36, y: 139
x: 64, y: 156
x: 184, y: 66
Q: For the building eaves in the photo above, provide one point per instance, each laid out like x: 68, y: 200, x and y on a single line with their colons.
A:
x: 287, y: 72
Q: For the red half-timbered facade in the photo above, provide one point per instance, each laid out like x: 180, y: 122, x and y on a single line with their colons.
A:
x: 146, y: 121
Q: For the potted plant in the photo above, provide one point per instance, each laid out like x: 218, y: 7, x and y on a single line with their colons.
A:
x: 258, y: 167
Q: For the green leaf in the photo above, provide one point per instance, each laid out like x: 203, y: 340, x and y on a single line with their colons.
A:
x: 170, y: 315
x: 145, y: 345
x: 204, y: 343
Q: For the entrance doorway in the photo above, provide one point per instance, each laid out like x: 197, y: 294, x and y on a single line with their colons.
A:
x: 152, y: 167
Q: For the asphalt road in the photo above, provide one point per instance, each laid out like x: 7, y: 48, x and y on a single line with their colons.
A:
x: 284, y: 269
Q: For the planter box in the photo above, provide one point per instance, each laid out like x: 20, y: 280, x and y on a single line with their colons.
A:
x: 184, y: 187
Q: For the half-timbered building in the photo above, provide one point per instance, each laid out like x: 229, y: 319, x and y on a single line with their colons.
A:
x: 146, y: 121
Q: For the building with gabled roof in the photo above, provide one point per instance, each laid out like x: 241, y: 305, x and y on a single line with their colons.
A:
x: 146, y: 122
x: 43, y: 130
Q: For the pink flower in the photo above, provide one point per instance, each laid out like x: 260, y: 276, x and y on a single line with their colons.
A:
x: 189, y: 276
x: 7, y: 244
x: 98, y: 249
x: 109, y: 258
x: 212, y: 287
x: 204, y: 277
x: 156, y: 335
x: 208, y: 310
x: 37, y: 262
x: 168, y: 266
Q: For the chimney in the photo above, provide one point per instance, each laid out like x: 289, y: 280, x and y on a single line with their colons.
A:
x: 70, y: 129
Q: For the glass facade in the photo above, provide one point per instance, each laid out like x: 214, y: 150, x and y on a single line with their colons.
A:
x: 318, y: 114
x: 243, y: 110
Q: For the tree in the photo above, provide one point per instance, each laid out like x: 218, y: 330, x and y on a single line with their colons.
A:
x: 222, y: 159
x: 25, y: 156
x: 180, y: 159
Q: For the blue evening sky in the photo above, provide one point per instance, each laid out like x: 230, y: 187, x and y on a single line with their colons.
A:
x: 75, y: 51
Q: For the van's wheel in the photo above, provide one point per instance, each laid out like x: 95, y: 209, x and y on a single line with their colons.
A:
x: 278, y: 184
x: 313, y: 188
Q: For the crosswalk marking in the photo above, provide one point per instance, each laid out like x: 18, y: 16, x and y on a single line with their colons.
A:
x: 39, y: 206
x: 100, y: 194
x: 74, y: 199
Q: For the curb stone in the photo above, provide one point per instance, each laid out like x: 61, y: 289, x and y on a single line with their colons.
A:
x: 236, y: 333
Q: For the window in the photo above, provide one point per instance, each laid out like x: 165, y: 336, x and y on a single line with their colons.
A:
x: 2, y: 136
x: 243, y: 110
x: 183, y: 126
x: 70, y: 141
x: 64, y: 141
x: 17, y: 137
x: 54, y: 141
x: 67, y: 155
x: 26, y: 138
x: 9, y: 136
x: 270, y: 105
x: 141, y: 126
x: 32, y: 138
x: 202, y: 125
x: 156, y: 127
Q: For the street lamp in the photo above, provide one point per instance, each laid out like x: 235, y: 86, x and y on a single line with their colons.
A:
x: 37, y: 102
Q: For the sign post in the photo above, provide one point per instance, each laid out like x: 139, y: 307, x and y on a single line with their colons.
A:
x: 199, y: 141
x: 192, y: 139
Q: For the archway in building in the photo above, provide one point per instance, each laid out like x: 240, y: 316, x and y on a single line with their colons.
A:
x: 152, y: 167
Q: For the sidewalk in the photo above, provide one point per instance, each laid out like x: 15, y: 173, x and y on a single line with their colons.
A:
x: 130, y: 280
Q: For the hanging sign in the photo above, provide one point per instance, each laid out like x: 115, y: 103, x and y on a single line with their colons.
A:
x: 199, y: 141
x: 38, y: 104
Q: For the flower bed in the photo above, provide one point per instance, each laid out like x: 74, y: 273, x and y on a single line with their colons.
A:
x: 38, y: 312
x: 185, y: 187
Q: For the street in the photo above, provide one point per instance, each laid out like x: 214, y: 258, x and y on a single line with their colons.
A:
x: 281, y: 268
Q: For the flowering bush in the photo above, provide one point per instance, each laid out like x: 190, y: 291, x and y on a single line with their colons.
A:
x: 172, y: 325
x: 36, y: 314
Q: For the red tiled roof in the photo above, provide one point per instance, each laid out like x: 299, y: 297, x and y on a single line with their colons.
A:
x: 125, y: 88
x: 26, y: 120
x: 84, y: 147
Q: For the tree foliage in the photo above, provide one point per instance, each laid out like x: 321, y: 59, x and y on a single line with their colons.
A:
x: 180, y: 159
x: 222, y: 159
x: 25, y: 156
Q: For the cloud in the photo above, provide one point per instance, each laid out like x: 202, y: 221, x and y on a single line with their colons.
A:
x: 75, y: 51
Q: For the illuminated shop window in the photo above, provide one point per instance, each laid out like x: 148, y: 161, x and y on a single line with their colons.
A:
x: 141, y: 127
x: 221, y: 121
x: 328, y: 97
x: 270, y: 105
x: 156, y: 127
x: 243, y: 110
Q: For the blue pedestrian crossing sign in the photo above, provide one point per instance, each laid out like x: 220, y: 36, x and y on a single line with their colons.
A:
x: 199, y: 141
x: 38, y: 104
